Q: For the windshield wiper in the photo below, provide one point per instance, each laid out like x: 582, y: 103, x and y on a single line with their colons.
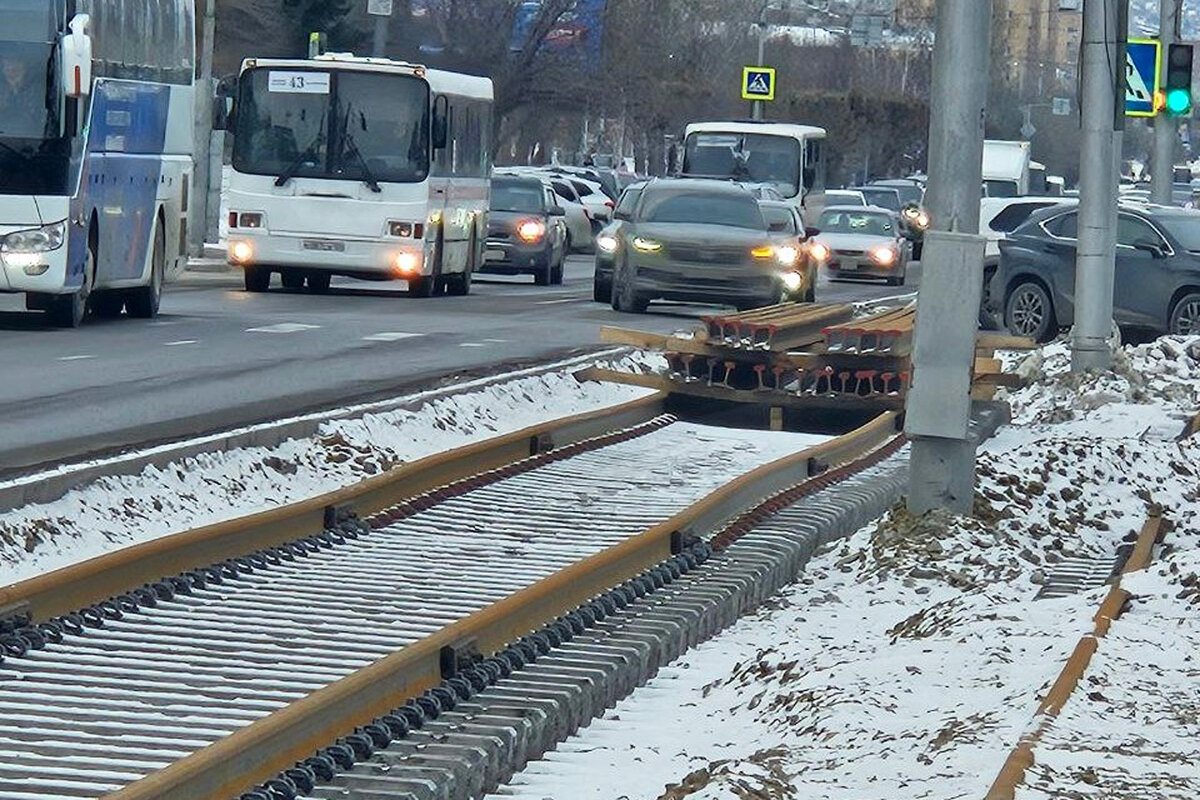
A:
x: 368, y: 177
x: 294, y: 167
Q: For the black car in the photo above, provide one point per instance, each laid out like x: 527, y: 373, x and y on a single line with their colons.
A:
x: 1156, y: 285
x: 526, y: 232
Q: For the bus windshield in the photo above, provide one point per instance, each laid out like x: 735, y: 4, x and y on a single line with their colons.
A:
x: 342, y: 125
x: 750, y: 157
x: 24, y: 99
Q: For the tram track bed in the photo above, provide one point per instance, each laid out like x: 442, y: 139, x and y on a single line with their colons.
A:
x: 189, y: 662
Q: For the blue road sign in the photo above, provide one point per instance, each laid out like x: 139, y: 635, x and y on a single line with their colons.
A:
x: 758, y: 83
x: 1142, y: 77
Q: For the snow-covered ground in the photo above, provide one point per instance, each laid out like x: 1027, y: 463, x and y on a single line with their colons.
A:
x: 118, y: 511
x: 911, y: 657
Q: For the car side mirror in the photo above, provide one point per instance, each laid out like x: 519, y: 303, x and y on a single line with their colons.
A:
x: 1150, y: 247
x: 623, y: 215
x: 76, y: 50
x: 811, y: 232
x: 557, y: 211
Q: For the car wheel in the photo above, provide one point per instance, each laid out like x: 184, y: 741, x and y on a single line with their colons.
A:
x: 318, y: 282
x: 1185, y: 316
x: 543, y: 276
x: 625, y: 297
x: 258, y: 279
x: 292, y: 279
x: 601, y: 290
x: 1029, y: 312
x: 556, y: 274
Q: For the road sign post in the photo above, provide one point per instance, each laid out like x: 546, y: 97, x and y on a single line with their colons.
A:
x: 758, y: 84
x: 1166, y: 127
x: 382, y: 11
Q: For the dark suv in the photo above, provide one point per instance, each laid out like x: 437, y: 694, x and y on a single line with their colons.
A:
x: 1157, y: 281
x: 526, y: 233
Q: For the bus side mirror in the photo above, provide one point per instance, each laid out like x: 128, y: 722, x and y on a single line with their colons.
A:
x: 441, y: 122
x: 223, y: 106
x: 77, y: 59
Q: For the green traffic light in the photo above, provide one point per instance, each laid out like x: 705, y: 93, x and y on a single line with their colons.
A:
x: 1179, y: 101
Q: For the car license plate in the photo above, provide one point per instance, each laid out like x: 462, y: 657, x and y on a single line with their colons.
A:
x: 849, y: 266
x: 494, y: 255
x: 324, y: 246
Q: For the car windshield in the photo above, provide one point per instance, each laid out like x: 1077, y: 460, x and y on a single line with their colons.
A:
x: 909, y: 192
x: 750, y: 157
x: 779, y: 220
x: 844, y: 199
x: 884, y: 198
x: 703, y: 208
x: 521, y: 197
x: 339, y: 125
x: 861, y: 222
x: 25, y: 68
x: 1183, y: 228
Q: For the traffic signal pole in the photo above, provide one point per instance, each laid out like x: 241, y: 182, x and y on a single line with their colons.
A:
x: 938, y: 407
x: 1095, y: 258
x: 1166, y: 127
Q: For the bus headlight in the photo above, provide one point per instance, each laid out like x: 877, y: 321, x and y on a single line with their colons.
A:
x: 407, y: 263
x: 35, y: 240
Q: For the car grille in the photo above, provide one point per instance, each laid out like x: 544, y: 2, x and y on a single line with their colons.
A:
x: 497, y: 232
x: 841, y: 252
x: 706, y: 255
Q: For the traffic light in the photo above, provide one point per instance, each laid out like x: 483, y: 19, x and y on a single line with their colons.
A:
x: 1179, y: 80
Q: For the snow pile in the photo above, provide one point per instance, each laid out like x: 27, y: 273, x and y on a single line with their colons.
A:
x: 117, y: 511
x: 910, y: 658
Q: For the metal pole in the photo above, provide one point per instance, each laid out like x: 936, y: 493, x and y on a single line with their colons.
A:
x: 1166, y: 128
x: 757, y: 112
x: 1096, y: 252
x: 202, y: 132
x: 938, y: 407
x: 379, y: 47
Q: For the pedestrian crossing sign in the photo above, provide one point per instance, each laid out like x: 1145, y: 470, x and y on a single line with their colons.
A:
x: 1142, y: 77
x: 758, y: 83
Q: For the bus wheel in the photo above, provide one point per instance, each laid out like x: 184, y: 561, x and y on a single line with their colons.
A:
x: 107, y: 305
x: 143, y: 302
x: 69, y: 310
x: 460, y: 283
x: 258, y: 279
x: 429, y: 285
x: 318, y: 282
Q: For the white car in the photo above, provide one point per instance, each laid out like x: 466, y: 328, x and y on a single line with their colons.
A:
x: 580, y: 226
x: 845, y: 197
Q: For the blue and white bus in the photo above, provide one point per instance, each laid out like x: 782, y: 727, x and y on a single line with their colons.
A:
x: 96, y: 133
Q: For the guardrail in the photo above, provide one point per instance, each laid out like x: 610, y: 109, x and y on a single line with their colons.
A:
x: 274, y: 743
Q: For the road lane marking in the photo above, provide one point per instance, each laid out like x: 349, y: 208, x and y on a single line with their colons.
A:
x: 75, y: 358
x: 472, y: 344
x: 496, y: 341
x: 179, y: 343
x: 566, y: 300
x: 390, y: 336
x: 284, y: 327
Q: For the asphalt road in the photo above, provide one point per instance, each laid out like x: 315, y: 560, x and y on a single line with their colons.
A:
x: 219, y: 358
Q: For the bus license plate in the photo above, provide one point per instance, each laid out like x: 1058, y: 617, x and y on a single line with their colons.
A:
x: 494, y: 255
x: 324, y: 246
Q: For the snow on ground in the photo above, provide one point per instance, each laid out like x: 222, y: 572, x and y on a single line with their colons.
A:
x: 910, y: 658
x: 118, y: 511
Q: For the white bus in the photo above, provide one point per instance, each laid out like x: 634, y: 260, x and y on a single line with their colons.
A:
x: 96, y: 132
x: 367, y: 168
x: 788, y: 157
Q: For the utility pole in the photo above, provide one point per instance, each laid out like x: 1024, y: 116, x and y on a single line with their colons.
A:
x: 1166, y: 127
x: 382, y: 11
x: 938, y: 408
x: 198, y: 218
x: 757, y: 112
x: 1095, y: 260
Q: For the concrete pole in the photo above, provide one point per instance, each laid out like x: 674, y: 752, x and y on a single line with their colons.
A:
x: 1166, y: 128
x: 938, y: 407
x: 198, y: 215
x: 1095, y: 258
x: 379, y: 46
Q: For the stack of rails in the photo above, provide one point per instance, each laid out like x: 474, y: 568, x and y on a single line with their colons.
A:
x: 798, y: 355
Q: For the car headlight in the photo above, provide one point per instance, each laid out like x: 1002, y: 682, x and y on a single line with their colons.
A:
x: 36, y: 240
x: 646, y: 245
x: 787, y: 255
x: 606, y: 243
x: 820, y: 252
x: 531, y: 230
x: 883, y: 255
x: 792, y: 281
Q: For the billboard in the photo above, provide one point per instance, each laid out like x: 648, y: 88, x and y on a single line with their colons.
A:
x: 578, y: 33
